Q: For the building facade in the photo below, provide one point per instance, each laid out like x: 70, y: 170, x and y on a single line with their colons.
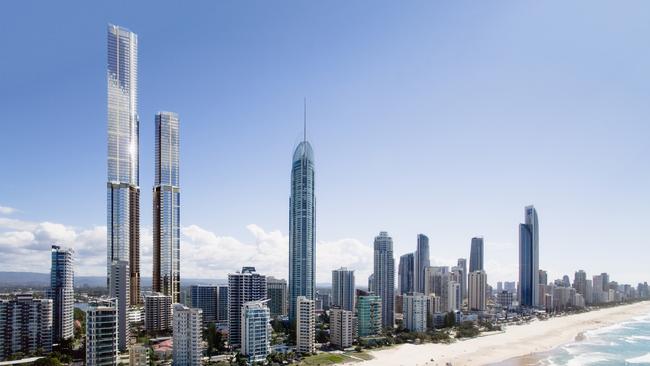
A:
x: 384, y: 277
x: 341, y: 328
x: 188, y: 330
x: 255, y: 331
x: 61, y: 292
x: 167, y: 208
x: 277, y: 293
x: 119, y: 290
x: 206, y: 298
x: 305, y: 325
x: 477, y: 291
x: 369, y: 315
x: 101, y: 336
x: 529, y: 259
x: 462, y: 265
x: 422, y: 261
x: 343, y: 288
x: 476, y: 255
x: 302, y: 214
x: 26, y: 325
x: 123, y: 183
x: 415, y: 312
x: 157, y: 312
x: 243, y: 287
x: 405, y: 273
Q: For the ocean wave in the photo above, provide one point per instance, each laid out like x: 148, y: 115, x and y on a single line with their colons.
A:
x: 639, y: 360
x: 584, y: 359
x: 635, y: 339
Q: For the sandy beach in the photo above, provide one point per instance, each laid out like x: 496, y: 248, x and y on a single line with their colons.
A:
x: 516, y: 341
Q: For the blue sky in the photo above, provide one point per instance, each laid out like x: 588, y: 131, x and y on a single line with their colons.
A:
x: 445, y: 118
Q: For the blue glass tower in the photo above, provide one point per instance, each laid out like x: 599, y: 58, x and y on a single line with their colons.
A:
x: 422, y: 261
x: 302, y: 215
x: 529, y: 259
x: 476, y: 255
x: 166, y: 208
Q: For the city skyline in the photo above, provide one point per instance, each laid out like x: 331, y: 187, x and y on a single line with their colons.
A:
x: 252, y: 236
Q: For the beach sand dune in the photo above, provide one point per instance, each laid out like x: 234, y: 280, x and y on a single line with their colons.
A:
x: 516, y: 341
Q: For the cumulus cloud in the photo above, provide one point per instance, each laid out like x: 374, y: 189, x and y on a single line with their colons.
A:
x: 5, y: 210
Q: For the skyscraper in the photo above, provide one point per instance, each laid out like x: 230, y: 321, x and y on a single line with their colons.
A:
x: 166, y: 208
x: 206, y: 298
x: 302, y: 214
x: 477, y: 286
x: 580, y: 283
x: 243, y: 287
x: 119, y: 290
x: 123, y: 183
x: 476, y: 255
x: 101, y: 336
x: 462, y: 265
x: 369, y: 315
x: 255, y: 331
x: 405, y: 273
x: 341, y: 328
x: 61, y: 292
x: 276, y: 290
x: 422, y: 261
x: 343, y: 288
x: 305, y: 325
x: 188, y: 328
x: 26, y: 325
x: 157, y: 312
x: 415, y: 312
x: 384, y: 277
x: 529, y: 259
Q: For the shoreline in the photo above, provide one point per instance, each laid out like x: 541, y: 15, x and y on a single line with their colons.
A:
x: 518, y: 345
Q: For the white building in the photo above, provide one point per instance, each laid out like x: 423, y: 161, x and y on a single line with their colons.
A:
x: 187, y: 326
x: 453, y: 296
x: 255, y: 330
x: 305, y: 325
x: 415, y: 312
x: 476, y: 294
x: 341, y: 328
x: 101, y: 336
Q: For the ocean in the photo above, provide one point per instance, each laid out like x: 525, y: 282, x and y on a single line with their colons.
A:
x: 626, y: 343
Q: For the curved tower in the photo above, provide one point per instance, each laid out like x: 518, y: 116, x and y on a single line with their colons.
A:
x: 302, y: 215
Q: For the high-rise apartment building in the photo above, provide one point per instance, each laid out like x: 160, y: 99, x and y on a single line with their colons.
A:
x: 302, y: 214
x: 580, y: 283
x: 305, y: 325
x: 101, y: 336
x: 343, y: 288
x: 157, y: 312
x: 255, y: 331
x: 462, y: 265
x: 276, y: 292
x: 118, y: 290
x: 415, y: 312
x: 384, y: 277
x: 243, y: 287
x: 476, y: 255
x: 166, y: 208
x: 369, y: 315
x: 222, y: 308
x: 543, y: 277
x: 206, y: 298
x: 61, y: 292
x: 188, y: 330
x: 422, y: 261
x: 341, y: 328
x: 123, y: 183
x: 529, y: 259
x: 477, y: 287
x: 26, y: 325
x: 405, y: 273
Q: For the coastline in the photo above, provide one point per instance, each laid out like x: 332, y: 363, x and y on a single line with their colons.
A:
x: 518, y: 345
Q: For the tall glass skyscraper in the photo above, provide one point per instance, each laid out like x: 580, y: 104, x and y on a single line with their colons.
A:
x: 61, y: 291
x: 123, y: 191
x: 476, y: 255
x: 529, y: 259
x: 384, y: 277
x: 166, y: 208
x: 302, y: 215
x: 405, y: 273
x: 343, y: 288
x: 422, y: 261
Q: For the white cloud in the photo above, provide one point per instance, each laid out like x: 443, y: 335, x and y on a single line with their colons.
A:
x: 4, y: 210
